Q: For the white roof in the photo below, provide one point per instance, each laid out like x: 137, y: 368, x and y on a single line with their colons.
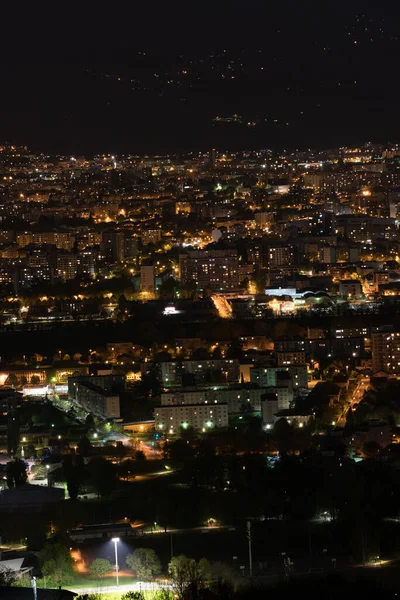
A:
x: 11, y: 565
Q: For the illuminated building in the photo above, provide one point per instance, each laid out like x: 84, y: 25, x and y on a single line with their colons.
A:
x: 147, y: 278
x: 98, y: 395
x: 67, y: 266
x: 171, y: 371
x: 270, y: 376
x: 203, y: 417
x: 216, y: 269
x: 112, y: 246
x: 151, y: 236
x: 234, y: 397
x: 280, y: 255
x: 386, y: 351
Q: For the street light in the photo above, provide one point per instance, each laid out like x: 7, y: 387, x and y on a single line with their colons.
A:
x: 116, y: 540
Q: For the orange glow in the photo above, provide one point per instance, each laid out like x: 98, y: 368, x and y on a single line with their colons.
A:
x: 79, y: 563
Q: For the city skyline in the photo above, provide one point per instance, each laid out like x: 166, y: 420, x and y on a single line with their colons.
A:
x: 199, y: 300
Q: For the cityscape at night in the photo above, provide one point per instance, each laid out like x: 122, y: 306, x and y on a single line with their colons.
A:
x: 200, y: 302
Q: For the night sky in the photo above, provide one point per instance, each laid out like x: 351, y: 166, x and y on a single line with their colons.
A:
x: 151, y: 77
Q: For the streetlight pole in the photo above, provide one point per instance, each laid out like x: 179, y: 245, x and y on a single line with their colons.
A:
x: 34, y: 588
x: 116, y: 540
x: 250, y: 549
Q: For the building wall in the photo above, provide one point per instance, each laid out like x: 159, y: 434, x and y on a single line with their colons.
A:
x: 96, y: 402
x: 217, y: 269
x: 386, y: 352
x: 267, y: 376
x: 234, y: 398
x: 268, y: 410
x: 200, y: 417
x: 147, y: 281
x: 291, y: 358
x: 170, y: 371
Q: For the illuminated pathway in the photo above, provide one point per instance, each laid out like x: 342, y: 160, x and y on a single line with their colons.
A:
x: 133, y: 587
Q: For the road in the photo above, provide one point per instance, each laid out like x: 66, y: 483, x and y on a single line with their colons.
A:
x: 362, y: 387
x: 360, y: 390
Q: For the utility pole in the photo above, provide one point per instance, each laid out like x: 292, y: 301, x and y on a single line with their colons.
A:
x: 250, y: 552
x: 172, y: 546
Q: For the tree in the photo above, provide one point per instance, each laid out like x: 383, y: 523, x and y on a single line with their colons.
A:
x: 145, y: 563
x: 57, y: 563
x: 7, y: 577
x: 16, y: 473
x: 371, y: 448
x: 140, y: 455
x: 126, y: 469
x: 132, y: 596
x: 168, y: 289
x: 12, y: 380
x: 29, y: 451
x: 35, y: 379
x: 163, y: 595
x: 84, y: 446
x: 73, y: 470
x: 100, y: 567
x: 204, y: 568
x: 89, y: 422
x: 12, y: 431
x: 103, y: 476
x: 187, y: 576
x: 188, y: 433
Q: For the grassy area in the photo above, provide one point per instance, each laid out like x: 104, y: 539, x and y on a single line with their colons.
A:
x: 81, y: 581
x: 148, y: 595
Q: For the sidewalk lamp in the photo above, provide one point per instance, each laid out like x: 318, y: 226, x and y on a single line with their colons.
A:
x: 116, y: 540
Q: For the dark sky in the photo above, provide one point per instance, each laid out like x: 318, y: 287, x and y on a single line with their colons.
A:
x: 151, y: 76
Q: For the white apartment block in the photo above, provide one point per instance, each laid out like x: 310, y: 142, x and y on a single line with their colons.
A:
x: 279, y: 399
x: 234, y: 398
x: 202, y: 417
